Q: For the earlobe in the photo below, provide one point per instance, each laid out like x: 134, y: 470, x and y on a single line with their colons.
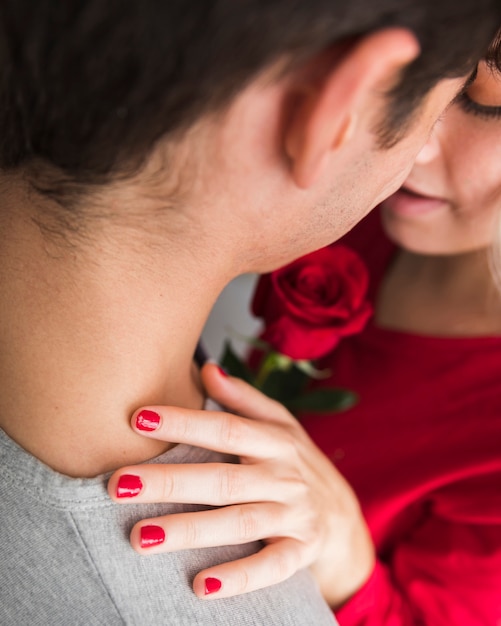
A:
x: 328, y: 113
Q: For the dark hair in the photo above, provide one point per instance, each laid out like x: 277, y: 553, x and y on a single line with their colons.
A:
x: 88, y: 86
x: 493, y: 56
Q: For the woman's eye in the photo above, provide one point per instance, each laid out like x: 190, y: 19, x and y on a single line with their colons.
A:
x: 468, y: 105
x: 483, y: 86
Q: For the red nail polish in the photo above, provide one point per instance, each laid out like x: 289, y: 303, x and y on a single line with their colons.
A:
x: 151, y: 536
x: 129, y: 486
x: 212, y: 585
x: 222, y: 371
x: 147, y: 420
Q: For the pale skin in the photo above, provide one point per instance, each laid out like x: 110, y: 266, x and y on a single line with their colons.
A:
x: 285, y: 491
x: 447, y: 230
x: 96, y: 324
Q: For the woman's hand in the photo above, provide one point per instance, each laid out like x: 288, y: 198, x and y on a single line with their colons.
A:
x: 284, y: 491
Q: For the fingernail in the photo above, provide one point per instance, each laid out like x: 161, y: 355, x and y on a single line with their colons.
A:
x: 212, y: 585
x: 147, y: 420
x: 129, y: 486
x: 222, y: 371
x: 151, y: 536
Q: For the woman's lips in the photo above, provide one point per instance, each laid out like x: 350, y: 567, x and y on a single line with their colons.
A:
x: 408, y: 202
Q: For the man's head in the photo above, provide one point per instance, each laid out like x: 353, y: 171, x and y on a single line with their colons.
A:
x: 90, y: 88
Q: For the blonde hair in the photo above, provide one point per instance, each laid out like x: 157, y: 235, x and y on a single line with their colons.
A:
x: 494, y: 257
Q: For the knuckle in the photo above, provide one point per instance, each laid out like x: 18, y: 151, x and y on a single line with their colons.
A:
x: 229, y: 431
x: 312, y: 531
x: 295, y: 490
x: 190, y: 534
x: 229, y: 485
x: 304, y: 524
x: 247, y: 523
x: 283, y: 565
x: 167, y: 487
x: 241, y: 580
x: 290, y: 445
x: 300, y: 490
x: 311, y: 525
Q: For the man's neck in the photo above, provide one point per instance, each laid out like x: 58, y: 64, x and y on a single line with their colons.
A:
x: 87, y: 338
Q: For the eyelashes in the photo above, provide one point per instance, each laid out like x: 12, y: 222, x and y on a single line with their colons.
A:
x: 481, y: 110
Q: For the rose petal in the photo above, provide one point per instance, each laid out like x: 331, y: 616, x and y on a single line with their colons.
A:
x: 312, y: 302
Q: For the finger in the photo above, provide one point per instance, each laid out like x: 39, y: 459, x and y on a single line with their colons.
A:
x: 215, y: 430
x: 232, y: 525
x: 238, y: 396
x: 273, y: 564
x: 216, y: 484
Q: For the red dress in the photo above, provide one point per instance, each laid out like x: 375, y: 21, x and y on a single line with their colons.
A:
x: 422, y: 449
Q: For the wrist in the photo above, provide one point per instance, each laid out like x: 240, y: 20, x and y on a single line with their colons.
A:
x: 342, y: 576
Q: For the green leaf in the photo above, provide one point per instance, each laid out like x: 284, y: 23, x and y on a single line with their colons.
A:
x: 323, y: 401
x: 282, y: 385
x: 234, y: 365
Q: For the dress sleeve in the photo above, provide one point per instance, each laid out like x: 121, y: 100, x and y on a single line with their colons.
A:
x: 446, y: 574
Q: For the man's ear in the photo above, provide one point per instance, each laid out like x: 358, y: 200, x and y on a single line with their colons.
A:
x: 327, y: 109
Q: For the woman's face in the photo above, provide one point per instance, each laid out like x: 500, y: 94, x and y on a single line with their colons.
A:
x: 451, y: 201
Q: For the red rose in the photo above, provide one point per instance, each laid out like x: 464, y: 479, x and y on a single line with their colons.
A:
x: 311, y: 303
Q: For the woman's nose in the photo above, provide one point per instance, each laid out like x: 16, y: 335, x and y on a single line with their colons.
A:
x: 431, y: 148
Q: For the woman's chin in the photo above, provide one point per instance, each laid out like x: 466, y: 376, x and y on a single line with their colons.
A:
x: 409, y: 234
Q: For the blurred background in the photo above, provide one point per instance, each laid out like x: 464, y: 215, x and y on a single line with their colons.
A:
x: 231, y: 313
